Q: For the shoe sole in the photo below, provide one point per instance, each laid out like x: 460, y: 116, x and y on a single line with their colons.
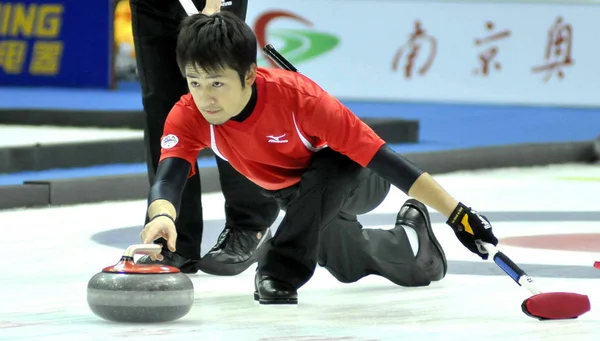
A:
x: 424, y: 212
x: 274, y: 300
x: 233, y: 269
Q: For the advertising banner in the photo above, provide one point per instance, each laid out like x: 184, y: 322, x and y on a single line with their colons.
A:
x: 63, y: 43
x: 474, y: 52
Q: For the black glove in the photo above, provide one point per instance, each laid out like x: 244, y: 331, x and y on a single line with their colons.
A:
x: 469, y: 226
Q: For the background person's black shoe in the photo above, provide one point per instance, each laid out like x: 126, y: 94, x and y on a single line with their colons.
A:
x: 235, y: 251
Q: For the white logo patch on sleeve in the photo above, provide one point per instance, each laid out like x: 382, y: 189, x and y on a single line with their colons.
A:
x: 169, y: 141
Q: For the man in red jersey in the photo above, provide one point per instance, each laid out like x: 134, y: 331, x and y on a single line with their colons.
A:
x: 248, y: 214
x: 309, y: 152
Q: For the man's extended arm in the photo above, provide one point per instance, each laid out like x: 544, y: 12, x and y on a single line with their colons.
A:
x: 334, y: 123
x: 165, y: 193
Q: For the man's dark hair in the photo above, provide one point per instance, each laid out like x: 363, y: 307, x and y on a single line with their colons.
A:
x: 214, y: 43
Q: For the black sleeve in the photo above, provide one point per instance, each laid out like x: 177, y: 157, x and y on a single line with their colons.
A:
x: 396, y: 169
x: 170, y: 179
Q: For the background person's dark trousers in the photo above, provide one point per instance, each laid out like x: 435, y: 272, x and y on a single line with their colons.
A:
x: 155, y: 27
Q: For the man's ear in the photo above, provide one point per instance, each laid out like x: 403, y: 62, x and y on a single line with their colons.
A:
x: 250, y: 75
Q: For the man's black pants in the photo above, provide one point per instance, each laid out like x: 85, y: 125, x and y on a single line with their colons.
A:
x: 321, y: 226
x: 155, y: 26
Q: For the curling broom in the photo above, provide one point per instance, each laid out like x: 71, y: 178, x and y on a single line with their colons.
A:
x: 542, y: 305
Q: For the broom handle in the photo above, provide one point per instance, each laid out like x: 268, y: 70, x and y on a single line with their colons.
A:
x: 510, y: 268
x: 189, y: 7
x: 280, y: 60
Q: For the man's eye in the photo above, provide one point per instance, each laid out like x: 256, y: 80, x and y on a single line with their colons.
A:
x: 217, y: 84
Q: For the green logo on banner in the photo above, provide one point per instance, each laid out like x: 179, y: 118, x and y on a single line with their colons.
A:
x: 299, y: 46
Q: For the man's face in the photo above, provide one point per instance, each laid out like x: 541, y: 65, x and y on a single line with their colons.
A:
x: 219, y: 95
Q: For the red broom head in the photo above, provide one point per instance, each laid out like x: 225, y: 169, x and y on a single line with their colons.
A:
x: 556, y: 305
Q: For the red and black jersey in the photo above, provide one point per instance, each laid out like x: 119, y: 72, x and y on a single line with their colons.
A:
x: 293, y: 119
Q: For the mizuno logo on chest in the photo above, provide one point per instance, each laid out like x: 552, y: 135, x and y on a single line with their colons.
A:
x: 277, y: 139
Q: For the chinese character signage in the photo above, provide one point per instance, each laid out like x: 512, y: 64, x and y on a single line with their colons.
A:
x: 557, y: 53
x: 64, y: 43
x: 412, y: 50
x: 558, y: 50
x: 488, y: 57
x: 494, y: 52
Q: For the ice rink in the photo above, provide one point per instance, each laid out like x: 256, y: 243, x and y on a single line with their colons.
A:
x: 547, y: 218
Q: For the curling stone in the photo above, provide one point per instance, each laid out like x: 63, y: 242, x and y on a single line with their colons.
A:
x: 130, y: 292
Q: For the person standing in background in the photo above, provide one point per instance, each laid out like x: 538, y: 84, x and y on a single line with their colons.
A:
x: 248, y: 213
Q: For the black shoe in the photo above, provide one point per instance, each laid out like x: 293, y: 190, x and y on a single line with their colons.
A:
x: 430, y: 257
x: 268, y: 290
x: 235, y: 251
x: 185, y: 265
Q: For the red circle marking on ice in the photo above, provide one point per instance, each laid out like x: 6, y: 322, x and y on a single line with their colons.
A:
x: 589, y: 242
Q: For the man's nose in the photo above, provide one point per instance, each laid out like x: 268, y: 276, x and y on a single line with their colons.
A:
x: 207, y: 97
